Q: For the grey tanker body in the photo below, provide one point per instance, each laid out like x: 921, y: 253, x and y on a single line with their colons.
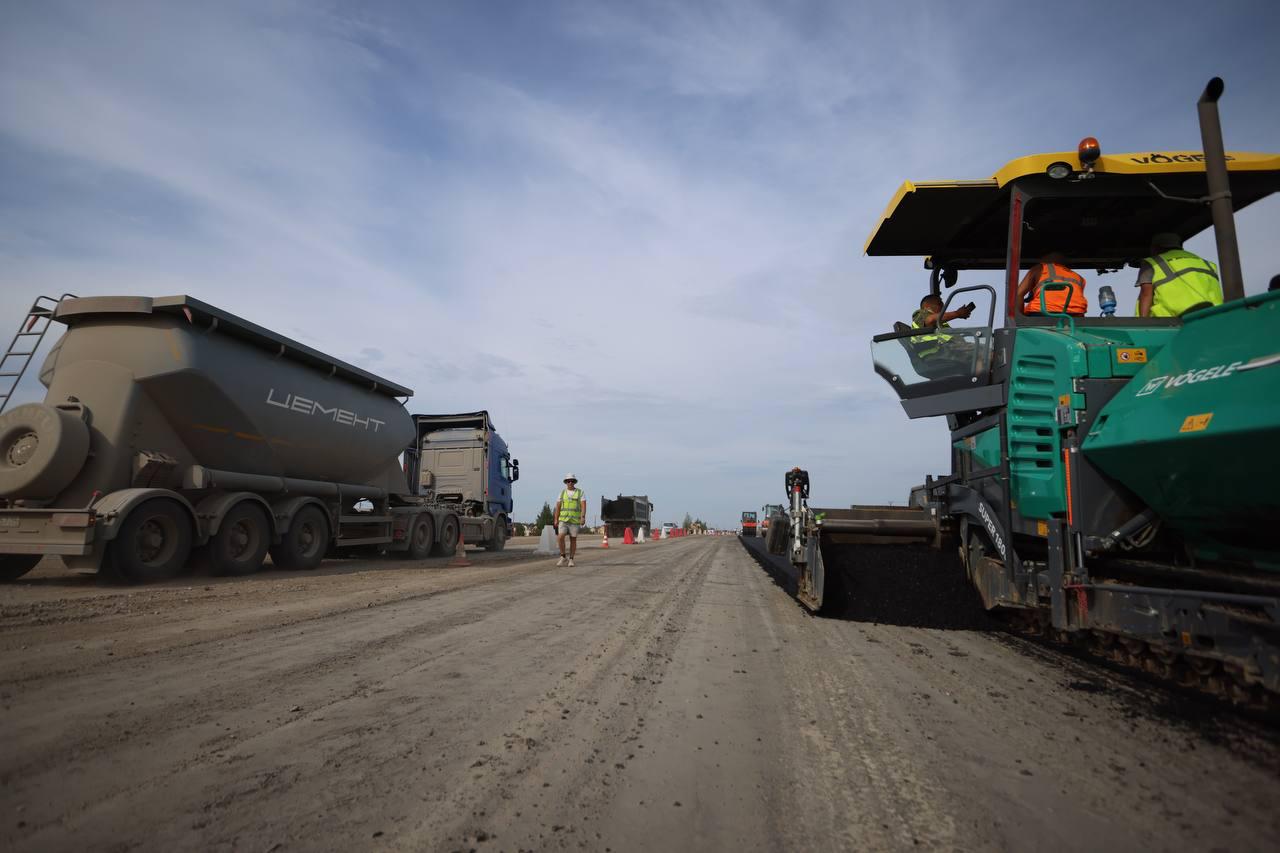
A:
x: 171, y: 425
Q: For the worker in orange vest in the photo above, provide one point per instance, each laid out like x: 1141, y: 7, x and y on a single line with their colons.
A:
x: 1053, y: 270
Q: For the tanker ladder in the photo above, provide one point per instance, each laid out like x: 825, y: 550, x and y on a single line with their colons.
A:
x: 26, y: 342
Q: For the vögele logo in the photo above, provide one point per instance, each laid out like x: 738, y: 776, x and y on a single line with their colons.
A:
x: 1152, y: 386
x: 1157, y: 158
x: 1190, y: 377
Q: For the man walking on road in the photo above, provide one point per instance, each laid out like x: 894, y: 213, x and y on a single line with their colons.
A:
x: 569, y: 512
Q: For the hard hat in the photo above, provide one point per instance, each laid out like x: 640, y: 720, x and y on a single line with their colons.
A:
x: 568, y: 477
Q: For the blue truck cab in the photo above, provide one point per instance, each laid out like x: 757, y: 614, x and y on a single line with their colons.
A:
x: 462, y: 460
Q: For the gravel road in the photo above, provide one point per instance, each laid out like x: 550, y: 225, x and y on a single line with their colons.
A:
x: 665, y: 696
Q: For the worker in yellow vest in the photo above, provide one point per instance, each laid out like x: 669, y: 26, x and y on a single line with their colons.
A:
x: 927, y: 318
x: 570, y: 509
x: 1173, y: 281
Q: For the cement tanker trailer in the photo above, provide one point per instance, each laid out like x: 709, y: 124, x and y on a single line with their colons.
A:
x: 170, y: 426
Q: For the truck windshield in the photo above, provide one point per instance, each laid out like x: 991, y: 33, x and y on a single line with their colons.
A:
x: 453, y: 436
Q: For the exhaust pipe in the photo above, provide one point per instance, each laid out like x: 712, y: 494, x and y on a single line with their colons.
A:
x: 1215, y: 167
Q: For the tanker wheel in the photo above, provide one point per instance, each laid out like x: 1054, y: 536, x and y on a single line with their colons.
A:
x: 153, y: 543
x: 422, y: 536
x: 14, y: 566
x: 499, y: 539
x: 304, y: 544
x: 240, y: 545
x: 447, y: 543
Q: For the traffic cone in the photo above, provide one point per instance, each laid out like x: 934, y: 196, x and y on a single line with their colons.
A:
x: 605, y: 543
x: 628, y: 538
x: 640, y: 537
x: 460, y: 553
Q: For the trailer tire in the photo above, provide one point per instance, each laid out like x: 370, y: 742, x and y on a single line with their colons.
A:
x: 14, y: 566
x: 422, y: 536
x: 153, y: 542
x: 447, y: 542
x: 498, y: 540
x: 240, y: 545
x: 306, y: 541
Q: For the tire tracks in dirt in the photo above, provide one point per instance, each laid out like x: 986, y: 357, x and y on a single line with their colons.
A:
x: 587, y: 726
x: 223, y: 719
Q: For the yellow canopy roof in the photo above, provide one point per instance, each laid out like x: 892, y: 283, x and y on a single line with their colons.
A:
x: 1105, y: 219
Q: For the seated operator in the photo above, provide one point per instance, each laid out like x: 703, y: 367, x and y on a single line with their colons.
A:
x: 926, y: 317
x: 1173, y: 281
x: 1052, y: 269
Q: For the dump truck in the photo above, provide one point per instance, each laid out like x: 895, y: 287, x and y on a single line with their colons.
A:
x: 171, y: 427
x: 1110, y: 481
x: 634, y: 511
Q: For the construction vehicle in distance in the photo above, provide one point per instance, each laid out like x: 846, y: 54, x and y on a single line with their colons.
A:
x: 170, y: 426
x: 634, y: 511
x: 748, y: 524
x: 1111, y: 479
x: 460, y: 461
x: 767, y: 515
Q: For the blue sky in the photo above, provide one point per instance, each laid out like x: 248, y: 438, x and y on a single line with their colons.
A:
x: 631, y: 231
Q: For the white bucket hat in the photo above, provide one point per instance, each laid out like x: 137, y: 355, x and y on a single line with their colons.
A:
x: 568, y: 477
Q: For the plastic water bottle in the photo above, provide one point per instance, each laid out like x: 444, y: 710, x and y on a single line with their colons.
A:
x: 1107, y: 300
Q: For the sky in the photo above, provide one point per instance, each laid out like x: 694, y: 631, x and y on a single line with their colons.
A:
x: 632, y: 231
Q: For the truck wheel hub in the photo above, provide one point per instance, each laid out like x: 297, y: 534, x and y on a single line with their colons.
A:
x: 22, y: 449
x: 150, y: 541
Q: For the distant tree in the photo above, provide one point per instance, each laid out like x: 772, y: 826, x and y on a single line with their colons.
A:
x: 544, y: 517
x: 687, y: 524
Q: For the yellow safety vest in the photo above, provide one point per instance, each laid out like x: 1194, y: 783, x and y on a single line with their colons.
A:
x: 1182, y: 280
x: 936, y: 339
x: 571, y: 506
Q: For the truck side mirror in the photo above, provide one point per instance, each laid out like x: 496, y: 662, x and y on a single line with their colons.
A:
x: 515, y: 470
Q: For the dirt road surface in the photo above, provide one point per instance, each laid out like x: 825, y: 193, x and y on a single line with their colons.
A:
x: 667, y: 696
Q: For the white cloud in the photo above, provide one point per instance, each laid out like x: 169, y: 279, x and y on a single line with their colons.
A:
x: 636, y: 242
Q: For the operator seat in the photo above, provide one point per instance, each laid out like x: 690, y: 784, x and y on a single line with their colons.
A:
x: 937, y: 366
